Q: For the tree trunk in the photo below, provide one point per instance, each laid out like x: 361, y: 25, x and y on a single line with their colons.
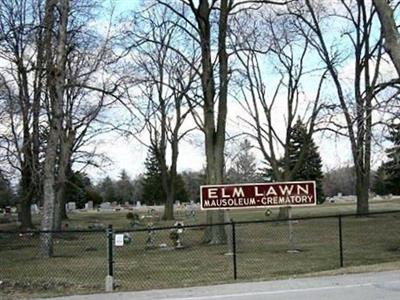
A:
x: 59, y: 207
x: 215, y: 234
x: 389, y: 29
x: 55, y: 68
x: 64, y: 169
x: 169, y: 207
x: 362, y: 192
x: 25, y: 199
x: 25, y: 216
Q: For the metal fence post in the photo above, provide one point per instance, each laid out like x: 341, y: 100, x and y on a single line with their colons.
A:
x: 340, y: 241
x: 234, y: 250
x: 110, y: 258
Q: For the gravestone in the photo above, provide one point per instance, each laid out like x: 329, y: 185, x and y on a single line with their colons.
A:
x: 71, y: 206
x: 118, y: 208
x: 138, y: 204
x: 89, y: 205
x: 105, y: 205
x: 34, y: 209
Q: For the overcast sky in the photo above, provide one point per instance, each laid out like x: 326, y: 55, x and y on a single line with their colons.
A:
x: 128, y: 154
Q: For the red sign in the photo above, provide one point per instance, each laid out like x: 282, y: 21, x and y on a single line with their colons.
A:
x: 250, y: 195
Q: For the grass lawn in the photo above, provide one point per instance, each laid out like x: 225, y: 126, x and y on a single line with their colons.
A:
x: 80, y: 264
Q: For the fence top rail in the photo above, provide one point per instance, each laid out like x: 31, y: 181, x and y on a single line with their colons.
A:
x: 121, y: 230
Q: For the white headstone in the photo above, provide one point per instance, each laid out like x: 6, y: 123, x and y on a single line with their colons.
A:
x: 89, y: 205
x: 71, y: 206
x: 105, y: 205
x: 34, y: 209
x: 138, y: 204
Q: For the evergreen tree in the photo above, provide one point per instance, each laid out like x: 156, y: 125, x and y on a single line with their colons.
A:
x: 125, y: 188
x: 76, y: 188
x: 301, y: 147
x: 391, y: 168
x: 7, y: 196
x: 153, y: 192
x: 380, y: 181
x: 107, y: 190
x: 181, y: 192
x: 311, y: 168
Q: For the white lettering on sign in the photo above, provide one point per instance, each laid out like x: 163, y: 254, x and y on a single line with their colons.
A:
x: 275, y: 194
x: 238, y: 192
x: 213, y: 193
x: 257, y: 193
x: 271, y: 191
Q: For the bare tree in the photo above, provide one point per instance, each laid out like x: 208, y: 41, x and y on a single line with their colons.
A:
x: 367, y: 54
x: 21, y: 56
x: 390, y: 32
x: 90, y: 53
x: 208, y: 25
x: 165, y: 79
x: 288, y: 52
x: 55, y: 48
x: 243, y: 165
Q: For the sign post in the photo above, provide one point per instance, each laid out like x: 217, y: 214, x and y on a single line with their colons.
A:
x: 292, y: 245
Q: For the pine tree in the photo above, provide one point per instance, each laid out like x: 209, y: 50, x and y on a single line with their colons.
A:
x: 7, y: 196
x: 391, y: 168
x: 76, y: 188
x: 380, y: 181
x: 181, y: 191
x: 125, y: 188
x: 301, y: 147
x: 153, y: 192
x: 311, y: 168
x: 107, y: 190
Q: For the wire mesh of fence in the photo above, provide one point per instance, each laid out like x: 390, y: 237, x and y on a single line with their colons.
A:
x: 371, y: 239
x: 274, y: 249
x: 148, y: 258
x: 78, y: 261
x: 165, y: 258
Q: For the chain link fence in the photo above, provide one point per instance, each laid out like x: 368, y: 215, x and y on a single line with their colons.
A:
x: 79, y: 261
x: 176, y: 256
